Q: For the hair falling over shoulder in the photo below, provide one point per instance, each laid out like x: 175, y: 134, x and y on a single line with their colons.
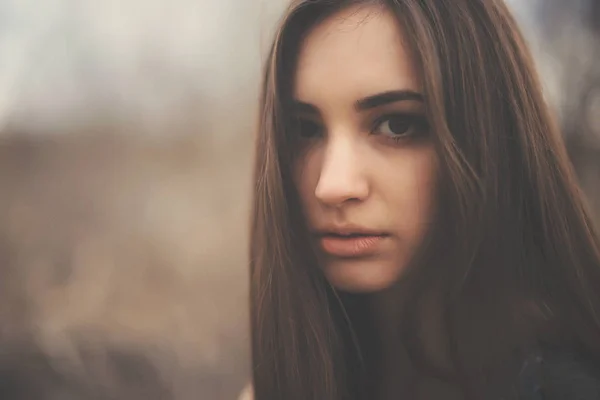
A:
x: 521, y: 257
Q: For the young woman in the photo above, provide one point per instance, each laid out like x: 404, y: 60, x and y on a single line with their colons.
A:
x: 418, y: 232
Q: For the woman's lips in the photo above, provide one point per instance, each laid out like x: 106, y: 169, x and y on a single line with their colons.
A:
x: 353, y: 245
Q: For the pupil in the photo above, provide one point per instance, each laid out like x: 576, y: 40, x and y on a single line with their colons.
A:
x: 399, y: 125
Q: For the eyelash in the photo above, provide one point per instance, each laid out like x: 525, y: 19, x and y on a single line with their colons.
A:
x: 417, y: 126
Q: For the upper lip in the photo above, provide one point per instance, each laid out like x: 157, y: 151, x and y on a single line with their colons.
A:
x: 345, y: 230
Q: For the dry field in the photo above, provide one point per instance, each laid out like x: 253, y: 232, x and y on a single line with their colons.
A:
x: 123, y: 263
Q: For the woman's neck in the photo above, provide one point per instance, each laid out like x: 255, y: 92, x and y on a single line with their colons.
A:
x: 396, y: 371
x: 390, y: 310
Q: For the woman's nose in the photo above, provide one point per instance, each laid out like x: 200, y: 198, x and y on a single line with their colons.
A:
x: 342, y: 178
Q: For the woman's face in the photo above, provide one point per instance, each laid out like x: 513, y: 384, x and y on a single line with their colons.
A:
x: 366, y: 170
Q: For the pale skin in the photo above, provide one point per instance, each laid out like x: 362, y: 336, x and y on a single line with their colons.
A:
x: 373, y: 167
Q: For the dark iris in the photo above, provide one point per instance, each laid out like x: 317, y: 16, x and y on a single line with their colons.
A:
x: 400, y: 125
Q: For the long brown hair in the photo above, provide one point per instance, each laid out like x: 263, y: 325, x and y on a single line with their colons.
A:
x: 521, y: 257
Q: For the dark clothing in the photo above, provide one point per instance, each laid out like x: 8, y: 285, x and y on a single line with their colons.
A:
x: 560, y: 375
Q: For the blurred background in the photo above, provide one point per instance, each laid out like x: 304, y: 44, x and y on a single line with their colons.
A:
x: 125, y: 164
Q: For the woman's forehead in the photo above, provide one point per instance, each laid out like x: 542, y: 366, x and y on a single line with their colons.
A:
x: 353, y: 54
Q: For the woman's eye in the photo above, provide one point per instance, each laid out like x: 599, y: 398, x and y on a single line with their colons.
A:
x: 400, y: 125
x: 309, y: 129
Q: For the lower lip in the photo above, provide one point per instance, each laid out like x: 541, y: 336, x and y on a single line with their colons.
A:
x: 354, y: 246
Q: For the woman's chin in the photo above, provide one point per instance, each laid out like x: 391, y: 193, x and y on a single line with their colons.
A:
x: 362, y: 276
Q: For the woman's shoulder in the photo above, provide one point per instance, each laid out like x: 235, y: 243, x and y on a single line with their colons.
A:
x: 567, y: 374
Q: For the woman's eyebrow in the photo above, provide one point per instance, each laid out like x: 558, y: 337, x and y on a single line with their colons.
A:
x: 393, y: 96
x: 366, y: 103
x: 300, y: 107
